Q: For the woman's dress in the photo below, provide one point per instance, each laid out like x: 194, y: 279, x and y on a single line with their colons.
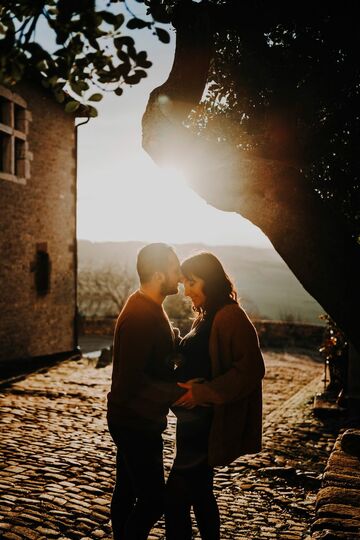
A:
x: 193, y: 425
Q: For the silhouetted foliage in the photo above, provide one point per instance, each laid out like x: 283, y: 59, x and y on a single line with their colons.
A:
x: 283, y: 83
x: 335, y: 349
x: 278, y: 58
x: 92, y: 47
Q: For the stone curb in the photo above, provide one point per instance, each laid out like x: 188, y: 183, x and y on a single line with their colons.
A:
x: 337, y: 515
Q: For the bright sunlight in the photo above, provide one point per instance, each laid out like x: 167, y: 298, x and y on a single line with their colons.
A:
x: 144, y: 202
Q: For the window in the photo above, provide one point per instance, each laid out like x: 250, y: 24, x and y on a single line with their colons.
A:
x: 5, y: 157
x: 14, y: 121
x: 19, y: 118
x: 20, y: 159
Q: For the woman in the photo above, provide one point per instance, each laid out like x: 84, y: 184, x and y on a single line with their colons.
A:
x: 219, y: 417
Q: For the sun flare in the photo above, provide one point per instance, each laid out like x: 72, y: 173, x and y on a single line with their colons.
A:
x: 144, y: 202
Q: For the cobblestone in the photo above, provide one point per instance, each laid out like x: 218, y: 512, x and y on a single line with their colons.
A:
x: 58, y: 461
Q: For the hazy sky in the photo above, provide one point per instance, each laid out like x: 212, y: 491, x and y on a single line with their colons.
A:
x: 123, y: 195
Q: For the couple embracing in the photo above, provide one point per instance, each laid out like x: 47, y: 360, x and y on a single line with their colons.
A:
x: 211, y: 380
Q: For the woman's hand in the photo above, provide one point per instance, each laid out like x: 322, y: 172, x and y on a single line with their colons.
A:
x: 187, y: 399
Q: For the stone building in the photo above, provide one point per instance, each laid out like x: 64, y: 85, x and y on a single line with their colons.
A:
x: 37, y: 224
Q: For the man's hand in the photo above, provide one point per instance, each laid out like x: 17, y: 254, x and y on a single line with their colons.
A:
x: 187, y: 399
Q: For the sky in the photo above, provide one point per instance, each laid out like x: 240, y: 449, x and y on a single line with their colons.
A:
x: 123, y: 195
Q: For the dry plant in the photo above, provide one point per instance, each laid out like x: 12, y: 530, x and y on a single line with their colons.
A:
x: 102, y: 293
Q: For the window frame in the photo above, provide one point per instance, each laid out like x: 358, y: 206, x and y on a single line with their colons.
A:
x: 14, y: 126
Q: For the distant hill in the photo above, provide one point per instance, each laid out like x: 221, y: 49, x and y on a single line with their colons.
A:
x: 266, y: 286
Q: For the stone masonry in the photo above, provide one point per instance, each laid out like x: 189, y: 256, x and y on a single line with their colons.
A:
x: 38, y: 219
x: 58, y: 460
x: 337, y: 514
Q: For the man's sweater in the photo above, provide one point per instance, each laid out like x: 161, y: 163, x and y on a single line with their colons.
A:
x: 142, y: 386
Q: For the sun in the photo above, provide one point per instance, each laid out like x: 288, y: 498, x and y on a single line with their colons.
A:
x: 139, y: 200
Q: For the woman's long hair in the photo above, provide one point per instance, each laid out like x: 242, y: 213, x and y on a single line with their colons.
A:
x: 218, y: 287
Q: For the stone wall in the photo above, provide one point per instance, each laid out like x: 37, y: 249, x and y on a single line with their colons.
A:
x: 97, y: 326
x: 280, y: 334
x: 37, y: 237
x: 271, y: 333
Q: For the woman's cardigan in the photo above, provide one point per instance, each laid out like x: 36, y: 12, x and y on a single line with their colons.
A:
x: 235, y: 389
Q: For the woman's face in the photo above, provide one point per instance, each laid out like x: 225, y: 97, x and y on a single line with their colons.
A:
x: 194, y: 288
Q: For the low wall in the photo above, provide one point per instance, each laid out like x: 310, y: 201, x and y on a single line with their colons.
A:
x: 271, y: 333
x: 280, y: 334
x: 97, y: 326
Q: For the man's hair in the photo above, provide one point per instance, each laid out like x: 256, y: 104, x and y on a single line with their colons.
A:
x: 153, y: 258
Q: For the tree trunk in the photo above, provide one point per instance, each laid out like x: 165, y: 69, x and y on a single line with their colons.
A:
x: 271, y: 193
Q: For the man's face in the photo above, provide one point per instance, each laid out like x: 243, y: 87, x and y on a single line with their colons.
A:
x: 172, y: 276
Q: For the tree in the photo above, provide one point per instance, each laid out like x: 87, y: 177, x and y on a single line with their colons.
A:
x: 92, y: 48
x: 102, y: 293
x: 261, y: 109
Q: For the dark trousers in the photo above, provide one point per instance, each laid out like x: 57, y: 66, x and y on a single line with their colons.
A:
x: 190, y: 483
x: 188, y: 488
x: 138, y: 497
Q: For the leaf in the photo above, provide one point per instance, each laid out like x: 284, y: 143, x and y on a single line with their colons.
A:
x: 132, y: 79
x: 123, y: 40
x: 92, y: 111
x: 120, y: 20
x: 61, y: 52
x: 36, y: 50
x: 77, y: 87
x: 95, y: 18
x: 163, y: 35
x: 41, y: 66
x: 59, y: 95
x: 142, y: 61
x: 103, y: 79
x: 93, y: 43
x: 53, y: 80
x: 17, y: 71
x: 123, y: 56
x: 71, y: 106
x: 135, y: 24
x: 122, y: 70
x: 96, y: 97
x: 141, y: 73
x: 61, y: 37
x: 109, y: 18
x: 83, y: 85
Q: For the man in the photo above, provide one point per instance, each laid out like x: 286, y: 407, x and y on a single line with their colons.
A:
x: 141, y: 392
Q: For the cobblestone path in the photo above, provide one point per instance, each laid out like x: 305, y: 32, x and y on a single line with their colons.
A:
x: 57, y: 466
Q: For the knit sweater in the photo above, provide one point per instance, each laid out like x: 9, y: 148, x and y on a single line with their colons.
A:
x: 142, y: 387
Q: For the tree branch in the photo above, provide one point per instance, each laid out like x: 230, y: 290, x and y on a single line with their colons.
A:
x: 269, y: 192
